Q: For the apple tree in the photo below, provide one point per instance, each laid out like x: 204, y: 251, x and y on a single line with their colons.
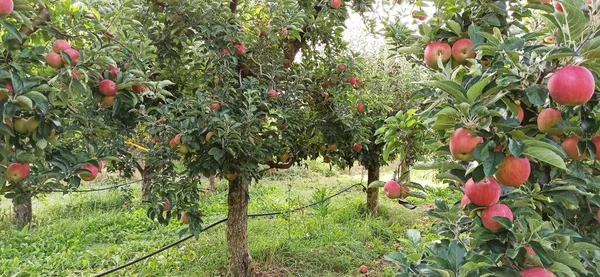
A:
x: 515, y: 95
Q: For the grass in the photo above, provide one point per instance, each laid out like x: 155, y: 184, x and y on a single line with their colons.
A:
x: 83, y: 234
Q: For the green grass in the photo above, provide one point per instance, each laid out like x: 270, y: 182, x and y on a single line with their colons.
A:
x: 82, y: 234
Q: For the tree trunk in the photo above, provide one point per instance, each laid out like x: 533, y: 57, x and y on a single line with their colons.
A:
x: 22, y: 211
x: 237, y: 223
x: 145, y: 188
x: 372, y: 193
x: 211, y: 183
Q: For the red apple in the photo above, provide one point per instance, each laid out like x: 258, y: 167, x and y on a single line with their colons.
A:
x: 392, y: 189
x: 225, y: 51
x: 60, y: 45
x: 420, y: 15
x: 9, y: 86
x: 209, y: 135
x: 332, y: 147
x: 215, y: 106
x: 461, y: 50
x: 513, y: 171
x: 240, y: 48
x: 75, y: 74
x: 357, y: 147
x: 596, y: 142
x: 17, y: 171
x: 183, y: 148
x: 571, y: 85
x: 434, y: 50
x: 166, y: 204
x: 108, y: 100
x: 464, y: 201
x: 484, y: 193
x: 462, y: 144
x: 73, y: 54
x: 231, y: 176
x: 93, y: 172
x: 6, y: 7
x: 360, y: 107
x: 175, y: 140
x: 184, y: 218
x: 54, y: 60
x: 520, y: 113
x: 363, y: 269
x: 529, y: 250
x: 100, y: 166
x: 334, y: 4
x: 114, y: 70
x: 138, y: 88
x: 558, y: 7
x: 352, y: 81
x: 272, y: 94
x: 487, y: 217
x: 341, y: 67
x: 359, y: 82
x: 546, y: 120
x: 107, y: 87
x: 536, y: 272
x: 569, y: 145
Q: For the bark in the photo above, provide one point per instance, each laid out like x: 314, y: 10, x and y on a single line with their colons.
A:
x: 372, y: 193
x: 237, y: 225
x: 23, y: 212
x: 211, y: 183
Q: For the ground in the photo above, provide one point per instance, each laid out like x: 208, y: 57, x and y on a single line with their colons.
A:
x: 86, y: 233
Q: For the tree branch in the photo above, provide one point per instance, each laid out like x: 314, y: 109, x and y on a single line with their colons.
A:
x: 42, y: 18
x: 286, y: 165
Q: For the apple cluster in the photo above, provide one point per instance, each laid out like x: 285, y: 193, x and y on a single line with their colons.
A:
x: 54, y: 58
x: 460, y: 51
x: 395, y: 190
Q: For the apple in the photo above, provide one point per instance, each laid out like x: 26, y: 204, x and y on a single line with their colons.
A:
x: 571, y: 85
x: 60, y: 45
x: 93, y: 172
x: 73, y: 54
x: 9, y: 86
x: 184, y: 218
x: 420, y: 15
x: 462, y: 144
x: 464, y: 201
x: 107, y: 87
x: 558, y: 7
x: 32, y: 124
x: 225, y: 51
x: 487, y: 217
x: 569, y: 145
x: 75, y: 74
x: 363, y: 269
x: 536, y: 272
x: 357, y: 147
x: 231, y: 176
x: 484, y: 193
x: 100, y: 166
x: 513, y: 171
x: 529, y: 250
x: 272, y: 94
x: 175, y: 140
x: 209, y: 135
x: 166, y: 204
x: 138, y: 88
x: 240, y: 48
x: 434, y: 50
x: 461, y: 50
x: 520, y: 113
x: 341, y: 67
x: 547, y: 118
x: 332, y: 147
x: 392, y: 189
x: 334, y: 4
x: 359, y: 82
x: 52, y: 134
x: 17, y: 171
x: 21, y: 126
x: 54, y: 60
x: 596, y: 142
x: 108, y: 100
x: 114, y: 70
x: 183, y: 148
x: 352, y: 81
x: 215, y: 106
x: 360, y: 107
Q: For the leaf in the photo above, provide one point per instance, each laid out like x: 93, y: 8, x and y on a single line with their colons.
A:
x: 455, y: 90
x: 490, y: 165
x: 583, y: 246
x: 454, y: 26
x: 414, y: 236
x: 516, y: 147
x: 560, y: 53
x: 39, y: 99
x: 217, y: 153
x: 376, y: 184
x: 559, y: 267
x: 576, y: 20
x: 475, y: 90
x: 541, y: 252
x: 12, y: 30
x: 545, y: 155
x: 541, y: 143
x: 456, y: 254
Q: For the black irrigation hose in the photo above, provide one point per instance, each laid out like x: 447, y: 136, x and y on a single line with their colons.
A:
x: 98, y: 189
x: 219, y: 222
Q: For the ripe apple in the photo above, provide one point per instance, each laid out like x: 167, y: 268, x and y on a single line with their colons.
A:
x: 461, y: 50
x: 240, y: 48
x: 462, y: 144
x: 357, y: 147
x: 17, y: 171
x: 114, y: 70
x: 54, y: 60
x: 108, y: 100
x: 392, y: 189
x: 571, y: 85
x: 21, y: 126
x: 209, y: 135
x: 484, y: 193
x: 9, y: 86
x: 464, y: 201
x: 596, y: 142
x: 520, y: 113
x: 183, y: 148
x: 334, y: 4
x: 100, y: 166
x: 434, y: 50
x: 176, y: 140
x: 546, y: 120
x: 60, y: 45
x: 225, y: 51
x: 352, y: 81
x: 332, y: 147
x: 272, y: 94
x: 536, y: 271
x: 32, y: 124
x: 488, y: 214
x: 215, y: 106
x: 231, y: 176
x: 529, y: 250
x: 73, y: 54
x: 107, y: 87
x: 341, y: 67
x: 138, y: 88
x: 569, y: 145
x: 558, y: 7
x: 166, y: 204
x: 363, y: 269
x: 360, y: 107
x: 75, y: 74
x: 184, y: 218
x: 420, y: 15
x: 513, y: 171
x: 93, y: 172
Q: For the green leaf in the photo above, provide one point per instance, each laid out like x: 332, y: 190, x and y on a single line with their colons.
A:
x: 39, y: 99
x: 413, y: 236
x: 454, y: 26
x: 583, y: 246
x: 559, y: 267
x: 376, y: 184
x: 455, y: 90
x: 576, y: 20
x: 490, y: 165
x: 12, y: 30
x: 545, y: 155
x: 456, y: 254
x: 475, y: 90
